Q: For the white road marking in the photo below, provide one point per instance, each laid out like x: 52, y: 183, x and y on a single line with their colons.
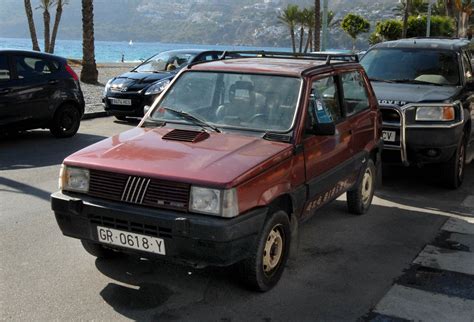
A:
x: 446, y: 259
x: 468, y: 202
x: 413, y: 304
x: 462, y: 226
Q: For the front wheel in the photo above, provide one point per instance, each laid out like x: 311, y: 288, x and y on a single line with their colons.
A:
x: 454, y: 168
x: 66, y: 121
x: 360, y: 199
x: 263, y: 269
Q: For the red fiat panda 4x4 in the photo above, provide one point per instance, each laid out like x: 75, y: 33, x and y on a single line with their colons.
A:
x: 227, y: 162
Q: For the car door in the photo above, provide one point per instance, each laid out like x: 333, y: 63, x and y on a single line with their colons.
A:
x: 328, y: 159
x: 358, y: 112
x: 33, y: 88
x: 6, y: 97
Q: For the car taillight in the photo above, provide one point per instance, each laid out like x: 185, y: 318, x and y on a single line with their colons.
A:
x: 72, y: 73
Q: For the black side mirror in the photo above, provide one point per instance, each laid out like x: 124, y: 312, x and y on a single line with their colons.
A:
x: 324, y: 128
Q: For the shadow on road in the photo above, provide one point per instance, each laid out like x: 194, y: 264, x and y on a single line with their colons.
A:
x: 21, y: 188
x: 34, y: 149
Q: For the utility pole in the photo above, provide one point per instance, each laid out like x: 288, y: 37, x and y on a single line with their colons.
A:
x: 324, y: 41
x: 428, y: 19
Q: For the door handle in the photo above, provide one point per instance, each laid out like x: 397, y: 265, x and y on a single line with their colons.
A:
x: 53, y: 82
x: 5, y: 90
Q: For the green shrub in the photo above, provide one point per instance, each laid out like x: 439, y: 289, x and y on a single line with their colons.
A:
x: 441, y: 26
x: 389, y: 29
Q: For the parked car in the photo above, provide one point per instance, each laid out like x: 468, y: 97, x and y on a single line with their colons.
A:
x: 128, y: 94
x: 425, y: 88
x: 225, y: 166
x: 39, y: 90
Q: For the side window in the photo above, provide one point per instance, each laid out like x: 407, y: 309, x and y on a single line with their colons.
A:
x: 467, y: 66
x: 324, y: 105
x: 28, y: 67
x: 4, y: 68
x: 355, y: 93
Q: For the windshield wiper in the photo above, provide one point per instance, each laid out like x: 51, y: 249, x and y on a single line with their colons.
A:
x: 193, y: 119
x: 414, y: 81
x: 381, y: 80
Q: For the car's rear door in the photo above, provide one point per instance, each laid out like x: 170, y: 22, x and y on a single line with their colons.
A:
x: 34, y: 87
x: 328, y: 159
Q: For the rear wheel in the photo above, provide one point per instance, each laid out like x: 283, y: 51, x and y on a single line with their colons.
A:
x: 97, y: 250
x: 263, y: 269
x: 360, y: 199
x: 66, y: 121
x: 454, y: 168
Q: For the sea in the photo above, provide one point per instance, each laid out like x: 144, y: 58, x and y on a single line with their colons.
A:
x: 112, y: 51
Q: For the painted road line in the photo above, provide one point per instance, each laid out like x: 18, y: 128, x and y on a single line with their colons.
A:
x: 468, y: 202
x: 462, y: 226
x: 446, y: 259
x: 413, y: 304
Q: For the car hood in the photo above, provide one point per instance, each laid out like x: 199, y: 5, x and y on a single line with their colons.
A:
x: 221, y: 160
x: 132, y: 81
x: 401, y: 94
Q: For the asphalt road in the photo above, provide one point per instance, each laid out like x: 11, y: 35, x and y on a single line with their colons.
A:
x: 345, y: 263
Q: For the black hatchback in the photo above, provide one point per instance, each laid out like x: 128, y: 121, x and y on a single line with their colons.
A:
x: 128, y: 94
x: 39, y: 90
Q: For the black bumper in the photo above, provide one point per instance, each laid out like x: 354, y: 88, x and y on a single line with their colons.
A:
x: 194, y: 239
x: 136, y: 109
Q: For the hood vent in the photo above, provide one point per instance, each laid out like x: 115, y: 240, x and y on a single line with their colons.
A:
x: 186, y: 136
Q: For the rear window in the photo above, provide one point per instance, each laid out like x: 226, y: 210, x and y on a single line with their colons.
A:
x: 28, y: 67
x: 4, y: 69
x: 412, y: 65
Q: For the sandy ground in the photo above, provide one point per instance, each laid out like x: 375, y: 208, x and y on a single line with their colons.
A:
x: 93, y: 93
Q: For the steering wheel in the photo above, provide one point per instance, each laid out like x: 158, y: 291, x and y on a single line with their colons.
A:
x: 257, y: 117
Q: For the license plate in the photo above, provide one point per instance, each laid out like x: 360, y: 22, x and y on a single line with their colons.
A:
x: 121, y: 101
x: 389, y: 136
x: 131, y: 240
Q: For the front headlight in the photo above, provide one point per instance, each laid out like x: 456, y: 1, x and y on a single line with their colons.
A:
x: 158, y: 87
x: 435, y: 113
x: 73, y: 179
x: 215, y: 202
x: 107, y: 86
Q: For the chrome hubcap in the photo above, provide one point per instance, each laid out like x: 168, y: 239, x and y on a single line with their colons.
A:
x: 273, y: 250
x: 367, y: 186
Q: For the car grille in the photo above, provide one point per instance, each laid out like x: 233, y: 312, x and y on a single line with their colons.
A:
x: 139, y: 190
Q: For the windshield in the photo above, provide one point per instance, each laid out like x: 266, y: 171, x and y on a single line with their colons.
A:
x: 243, y: 101
x: 412, y: 65
x: 167, y: 61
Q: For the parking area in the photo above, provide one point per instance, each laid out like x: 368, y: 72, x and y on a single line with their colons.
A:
x: 345, y: 269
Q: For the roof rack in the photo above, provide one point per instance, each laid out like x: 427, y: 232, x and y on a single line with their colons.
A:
x: 328, y: 57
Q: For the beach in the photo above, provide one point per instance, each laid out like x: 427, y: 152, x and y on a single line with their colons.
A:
x: 93, y: 93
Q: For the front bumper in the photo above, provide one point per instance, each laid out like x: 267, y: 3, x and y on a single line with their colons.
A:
x: 418, y: 143
x: 197, y: 240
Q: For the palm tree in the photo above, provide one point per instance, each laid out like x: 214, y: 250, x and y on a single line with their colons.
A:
x: 308, y: 15
x: 59, y: 10
x: 89, y: 73
x: 317, y: 25
x: 406, y: 13
x: 301, y: 22
x: 289, y: 17
x: 31, y: 25
x: 46, y: 5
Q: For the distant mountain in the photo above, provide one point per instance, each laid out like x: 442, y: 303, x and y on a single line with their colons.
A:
x: 229, y: 22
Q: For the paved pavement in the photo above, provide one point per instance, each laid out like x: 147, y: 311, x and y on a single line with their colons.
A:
x: 403, y: 260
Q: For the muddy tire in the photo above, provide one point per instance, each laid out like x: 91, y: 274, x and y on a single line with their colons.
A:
x: 263, y: 269
x: 98, y: 250
x: 66, y: 121
x: 360, y: 199
x: 454, y: 168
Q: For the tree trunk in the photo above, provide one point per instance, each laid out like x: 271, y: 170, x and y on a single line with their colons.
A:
x: 293, y: 43
x: 301, y: 38
x: 317, y: 25
x: 308, y: 41
x: 57, y: 19
x: 89, y: 73
x: 405, y: 18
x: 31, y: 25
x: 46, y: 19
x: 353, y: 45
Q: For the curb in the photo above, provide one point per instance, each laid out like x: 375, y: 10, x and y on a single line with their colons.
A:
x: 88, y: 116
